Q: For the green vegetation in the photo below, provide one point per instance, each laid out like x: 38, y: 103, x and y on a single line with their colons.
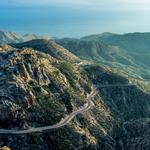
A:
x: 127, y: 54
x: 67, y: 70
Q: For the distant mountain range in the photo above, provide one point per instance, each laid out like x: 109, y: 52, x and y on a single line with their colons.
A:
x: 11, y: 37
x: 128, y: 52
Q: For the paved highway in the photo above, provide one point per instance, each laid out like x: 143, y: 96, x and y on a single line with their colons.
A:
x: 115, y: 85
x: 66, y: 120
x: 62, y: 123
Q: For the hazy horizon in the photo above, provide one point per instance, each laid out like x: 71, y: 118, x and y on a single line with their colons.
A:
x: 78, y: 18
x: 48, y: 35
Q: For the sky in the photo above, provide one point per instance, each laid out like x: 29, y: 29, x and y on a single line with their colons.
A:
x: 74, y: 18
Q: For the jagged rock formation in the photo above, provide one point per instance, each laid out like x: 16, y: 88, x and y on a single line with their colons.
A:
x: 11, y: 37
x: 43, y: 83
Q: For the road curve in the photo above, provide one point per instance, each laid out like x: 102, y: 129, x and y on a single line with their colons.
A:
x: 62, y: 123
x: 115, y: 85
x: 66, y: 120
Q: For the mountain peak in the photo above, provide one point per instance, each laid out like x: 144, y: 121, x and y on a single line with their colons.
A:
x: 11, y: 37
x: 48, y: 47
x: 95, y: 36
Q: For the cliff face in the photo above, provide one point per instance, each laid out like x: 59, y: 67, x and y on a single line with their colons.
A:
x: 40, y: 89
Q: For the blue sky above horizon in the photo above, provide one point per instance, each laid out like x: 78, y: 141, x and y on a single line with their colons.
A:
x: 74, y: 18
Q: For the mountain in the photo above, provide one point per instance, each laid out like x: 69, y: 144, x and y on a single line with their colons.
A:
x: 128, y: 52
x: 42, y: 83
x: 136, y: 45
x: 95, y: 50
x: 48, y: 47
x: 31, y: 36
x: 11, y: 37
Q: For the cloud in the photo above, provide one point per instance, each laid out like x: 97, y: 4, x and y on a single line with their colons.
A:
x: 47, y: 2
x: 97, y: 5
x: 80, y: 17
x: 135, y: 2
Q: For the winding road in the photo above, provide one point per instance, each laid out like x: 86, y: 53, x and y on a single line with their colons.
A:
x: 115, y: 85
x: 62, y: 123
x: 66, y: 120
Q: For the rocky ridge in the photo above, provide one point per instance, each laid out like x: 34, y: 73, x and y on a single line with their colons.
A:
x: 11, y: 37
